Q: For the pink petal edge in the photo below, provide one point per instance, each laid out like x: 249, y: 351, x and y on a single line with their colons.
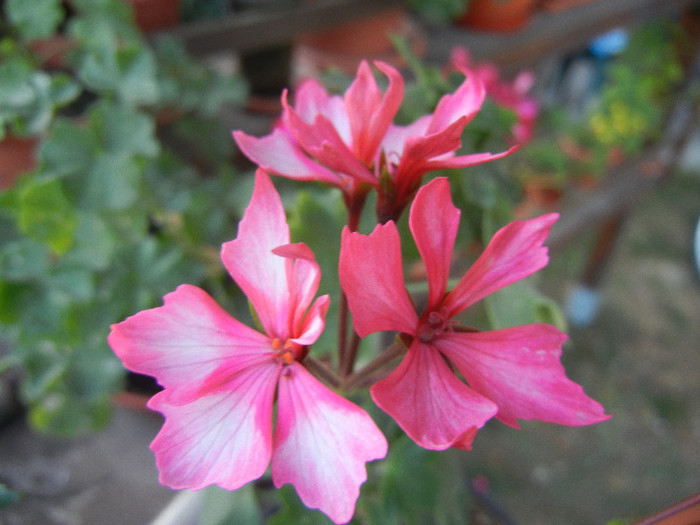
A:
x: 519, y: 369
x: 429, y: 403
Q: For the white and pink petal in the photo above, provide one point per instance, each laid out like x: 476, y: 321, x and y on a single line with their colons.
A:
x: 280, y: 154
x: 224, y: 438
x: 249, y: 259
x: 182, y: 342
x: 321, y: 444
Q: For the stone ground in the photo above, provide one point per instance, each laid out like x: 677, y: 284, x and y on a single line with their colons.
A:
x: 640, y: 358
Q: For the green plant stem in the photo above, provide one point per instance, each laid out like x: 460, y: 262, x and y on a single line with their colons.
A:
x: 365, y: 376
x: 342, y: 331
x: 351, y: 355
x: 354, y: 204
x: 320, y: 369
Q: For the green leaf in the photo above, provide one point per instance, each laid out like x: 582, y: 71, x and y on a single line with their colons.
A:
x: 46, y: 215
x: 137, y: 82
x: 76, y: 283
x: 114, y: 182
x: 65, y: 415
x: 238, y: 507
x: 518, y: 304
x: 317, y: 220
x: 23, y: 260
x: 70, y: 149
x: 35, y: 18
x: 294, y: 511
x: 94, y: 243
x: 125, y: 130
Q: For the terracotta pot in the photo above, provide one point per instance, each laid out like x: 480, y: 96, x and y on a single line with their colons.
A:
x: 156, y: 15
x: 498, y: 15
x: 345, y: 45
x: 17, y: 156
x: 540, y: 194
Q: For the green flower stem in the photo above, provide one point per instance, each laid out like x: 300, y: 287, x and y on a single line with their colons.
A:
x: 366, y: 376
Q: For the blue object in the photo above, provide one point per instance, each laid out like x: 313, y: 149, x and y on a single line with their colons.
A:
x: 582, y: 306
x: 609, y: 44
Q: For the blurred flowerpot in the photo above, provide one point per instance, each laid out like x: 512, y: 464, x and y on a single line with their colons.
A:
x: 498, y: 15
x: 345, y: 45
x: 17, y: 156
x: 268, y: 70
x: 156, y: 15
x: 540, y: 193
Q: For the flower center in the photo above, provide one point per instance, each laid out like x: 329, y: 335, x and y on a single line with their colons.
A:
x: 433, y: 324
x: 288, y: 352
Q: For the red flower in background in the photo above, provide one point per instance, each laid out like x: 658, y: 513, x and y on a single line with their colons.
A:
x: 511, y: 95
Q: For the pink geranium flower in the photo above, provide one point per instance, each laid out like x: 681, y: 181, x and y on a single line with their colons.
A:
x: 351, y: 142
x: 510, y: 373
x: 221, y: 378
x: 512, y: 95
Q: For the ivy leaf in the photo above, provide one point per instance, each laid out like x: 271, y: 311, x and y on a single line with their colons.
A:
x: 36, y: 18
x: 114, y: 182
x: 70, y: 149
x: 94, y: 243
x: 124, y: 129
x: 46, y: 215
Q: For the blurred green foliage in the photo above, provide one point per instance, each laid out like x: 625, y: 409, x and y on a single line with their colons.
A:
x: 113, y: 217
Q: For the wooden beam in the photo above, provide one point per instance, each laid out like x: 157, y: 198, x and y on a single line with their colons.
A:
x: 256, y: 29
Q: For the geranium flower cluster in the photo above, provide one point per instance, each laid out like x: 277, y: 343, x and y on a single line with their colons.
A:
x: 512, y: 95
x: 224, y: 382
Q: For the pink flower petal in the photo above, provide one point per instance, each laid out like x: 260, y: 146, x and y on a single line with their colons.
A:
x: 370, y: 116
x: 303, y: 277
x: 321, y: 444
x: 434, y: 221
x: 429, y: 403
x: 321, y: 140
x: 466, y: 161
x: 371, y: 276
x: 514, y: 252
x: 279, y: 154
x: 182, y: 342
x: 465, y: 103
x: 250, y: 261
x: 311, y: 100
x: 520, y: 370
x: 396, y: 136
x: 222, y: 439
